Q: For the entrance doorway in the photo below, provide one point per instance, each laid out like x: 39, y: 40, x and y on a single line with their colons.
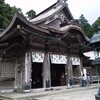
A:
x: 58, y: 75
x: 36, y: 75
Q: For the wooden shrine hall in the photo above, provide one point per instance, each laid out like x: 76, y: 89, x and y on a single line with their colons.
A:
x: 43, y: 52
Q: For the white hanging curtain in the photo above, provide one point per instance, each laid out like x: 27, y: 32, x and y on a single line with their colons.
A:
x: 75, y: 61
x: 37, y: 57
x: 58, y: 59
x: 55, y: 59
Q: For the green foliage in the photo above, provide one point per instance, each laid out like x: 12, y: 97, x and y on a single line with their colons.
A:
x: 31, y: 14
x: 6, y: 13
x: 95, y: 25
x: 85, y: 26
x: 89, y: 30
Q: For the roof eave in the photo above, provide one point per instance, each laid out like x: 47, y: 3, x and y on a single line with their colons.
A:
x: 64, y: 32
x: 25, y: 21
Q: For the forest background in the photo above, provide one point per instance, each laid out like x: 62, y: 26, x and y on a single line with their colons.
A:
x: 7, y: 12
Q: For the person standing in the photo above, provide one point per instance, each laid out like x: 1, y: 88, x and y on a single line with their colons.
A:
x: 84, y: 81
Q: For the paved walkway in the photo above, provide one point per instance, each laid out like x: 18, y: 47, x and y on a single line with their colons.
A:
x: 62, y: 93
x: 76, y: 95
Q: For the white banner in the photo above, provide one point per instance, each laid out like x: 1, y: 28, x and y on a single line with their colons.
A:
x: 58, y: 59
x: 37, y: 56
x: 75, y: 61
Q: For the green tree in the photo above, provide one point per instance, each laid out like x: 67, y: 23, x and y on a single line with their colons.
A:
x: 31, y: 14
x: 85, y: 26
x: 6, y: 13
x: 95, y: 25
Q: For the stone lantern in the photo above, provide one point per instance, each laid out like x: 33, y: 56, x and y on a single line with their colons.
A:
x: 95, y: 43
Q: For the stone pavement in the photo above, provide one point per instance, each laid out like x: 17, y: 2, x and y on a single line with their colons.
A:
x: 76, y: 95
x: 59, y: 93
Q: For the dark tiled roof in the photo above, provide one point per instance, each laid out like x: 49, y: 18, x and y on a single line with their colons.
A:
x: 95, y: 38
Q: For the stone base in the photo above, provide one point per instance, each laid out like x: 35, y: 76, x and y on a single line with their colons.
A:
x: 6, y: 91
x: 22, y: 91
x: 97, y: 97
x: 26, y: 91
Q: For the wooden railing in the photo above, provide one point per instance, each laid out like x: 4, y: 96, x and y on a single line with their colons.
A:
x: 95, y: 79
x: 4, y: 79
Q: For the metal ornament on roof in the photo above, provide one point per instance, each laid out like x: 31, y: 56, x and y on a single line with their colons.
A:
x: 62, y: 1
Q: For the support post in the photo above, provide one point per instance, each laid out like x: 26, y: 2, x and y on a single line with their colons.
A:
x: 28, y: 64
x: 80, y: 71
x: 18, y: 76
x: 68, y: 71
x: 46, y: 71
x: 15, y: 83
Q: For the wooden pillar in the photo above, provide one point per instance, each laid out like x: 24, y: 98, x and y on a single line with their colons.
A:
x: 80, y: 70
x: 28, y: 64
x: 46, y: 71
x: 69, y: 71
x: 15, y: 82
x: 18, y: 76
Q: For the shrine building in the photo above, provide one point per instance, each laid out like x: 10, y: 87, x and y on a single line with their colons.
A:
x: 43, y: 52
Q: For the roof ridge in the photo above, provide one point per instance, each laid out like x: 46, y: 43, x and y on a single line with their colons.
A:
x: 45, y: 10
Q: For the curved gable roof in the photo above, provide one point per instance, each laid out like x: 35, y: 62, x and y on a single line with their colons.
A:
x: 64, y: 31
x: 70, y: 27
x: 51, y: 11
x: 19, y: 20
